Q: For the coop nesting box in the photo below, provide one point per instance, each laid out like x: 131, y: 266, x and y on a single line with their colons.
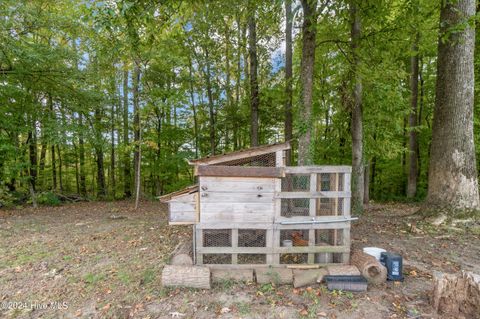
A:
x: 249, y: 208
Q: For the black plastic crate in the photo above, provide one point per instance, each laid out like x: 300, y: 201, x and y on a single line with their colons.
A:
x: 349, y: 283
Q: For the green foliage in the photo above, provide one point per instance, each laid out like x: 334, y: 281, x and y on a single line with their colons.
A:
x: 48, y: 198
x: 63, y: 66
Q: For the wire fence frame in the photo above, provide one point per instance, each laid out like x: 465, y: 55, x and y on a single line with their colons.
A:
x: 322, y: 196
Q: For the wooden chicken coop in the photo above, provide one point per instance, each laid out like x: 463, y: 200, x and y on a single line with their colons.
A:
x: 250, y: 209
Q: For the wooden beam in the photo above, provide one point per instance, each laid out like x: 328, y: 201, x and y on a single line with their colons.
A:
x: 327, y: 194
x: 277, y: 250
x: 317, y: 169
x: 239, y: 171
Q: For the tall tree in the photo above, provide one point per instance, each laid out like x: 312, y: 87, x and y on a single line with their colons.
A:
x: 136, y: 126
x: 81, y: 156
x: 452, y: 179
x: 412, y: 122
x: 309, y: 34
x: 288, y: 77
x: 357, y: 112
x: 127, y: 189
x: 254, y: 94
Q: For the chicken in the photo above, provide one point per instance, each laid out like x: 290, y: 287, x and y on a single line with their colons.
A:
x: 297, y: 238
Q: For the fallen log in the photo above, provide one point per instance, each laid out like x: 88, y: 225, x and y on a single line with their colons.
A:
x: 456, y: 295
x: 182, y: 254
x: 369, y: 267
x: 237, y: 275
x: 186, y: 276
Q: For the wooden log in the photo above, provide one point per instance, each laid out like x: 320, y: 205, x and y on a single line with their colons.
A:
x: 456, y: 295
x: 186, y: 276
x: 369, y: 267
x: 238, y: 275
x: 343, y: 270
x: 182, y: 254
x: 278, y: 276
x: 305, y: 277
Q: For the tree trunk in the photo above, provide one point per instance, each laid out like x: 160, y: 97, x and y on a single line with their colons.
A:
x: 357, y: 114
x: 54, y: 168
x: 309, y: 34
x: 194, y: 109
x: 412, y: 123
x: 101, y: 189
x: 60, y: 164
x: 210, y: 104
x: 52, y: 148
x: 136, y: 128
x: 254, y: 94
x: 288, y: 78
x: 32, y: 147
x: 127, y: 192
x: 81, y: 150
x: 366, y: 182
x: 43, y: 154
x: 452, y: 180
x: 77, y: 175
x: 112, y: 152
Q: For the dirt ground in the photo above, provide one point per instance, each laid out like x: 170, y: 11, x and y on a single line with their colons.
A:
x: 104, y: 260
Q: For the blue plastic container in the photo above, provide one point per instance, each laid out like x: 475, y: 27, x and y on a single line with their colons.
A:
x: 394, y: 264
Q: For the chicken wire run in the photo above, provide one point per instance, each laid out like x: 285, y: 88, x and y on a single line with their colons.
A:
x: 249, y: 214
x: 264, y: 160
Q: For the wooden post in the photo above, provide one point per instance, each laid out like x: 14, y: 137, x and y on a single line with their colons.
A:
x: 234, y: 245
x: 313, y: 214
x: 269, y: 242
x: 279, y: 159
x: 346, y: 213
x: 335, y: 210
x: 277, y: 216
x: 199, y: 244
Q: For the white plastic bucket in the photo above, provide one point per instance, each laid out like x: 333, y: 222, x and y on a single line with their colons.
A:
x: 287, y: 243
x: 374, y: 251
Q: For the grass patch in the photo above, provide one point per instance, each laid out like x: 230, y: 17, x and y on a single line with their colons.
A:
x: 92, y: 279
x: 148, y: 276
x: 243, y: 308
x: 124, y: 277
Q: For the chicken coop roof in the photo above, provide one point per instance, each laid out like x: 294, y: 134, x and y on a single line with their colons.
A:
x: 241, y: 154
x: 187, y: 190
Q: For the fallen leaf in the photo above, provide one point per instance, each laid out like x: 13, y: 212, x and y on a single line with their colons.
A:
x: 106, y: 307
x: 303, y: 312
x: 225, y: 310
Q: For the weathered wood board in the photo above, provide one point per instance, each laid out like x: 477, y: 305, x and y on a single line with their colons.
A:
x: 183, y: 209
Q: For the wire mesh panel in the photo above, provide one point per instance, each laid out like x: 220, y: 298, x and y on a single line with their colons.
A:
x: 296, y: 183
x: 217, y: 259
x: 293, y: 258
x: 252, y: 238
x: 329, y: 206
x: 295, y: 207
x: 265, y: 160
x: 252, y: 259
x: 330, y: 182
x: 217, y: 238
